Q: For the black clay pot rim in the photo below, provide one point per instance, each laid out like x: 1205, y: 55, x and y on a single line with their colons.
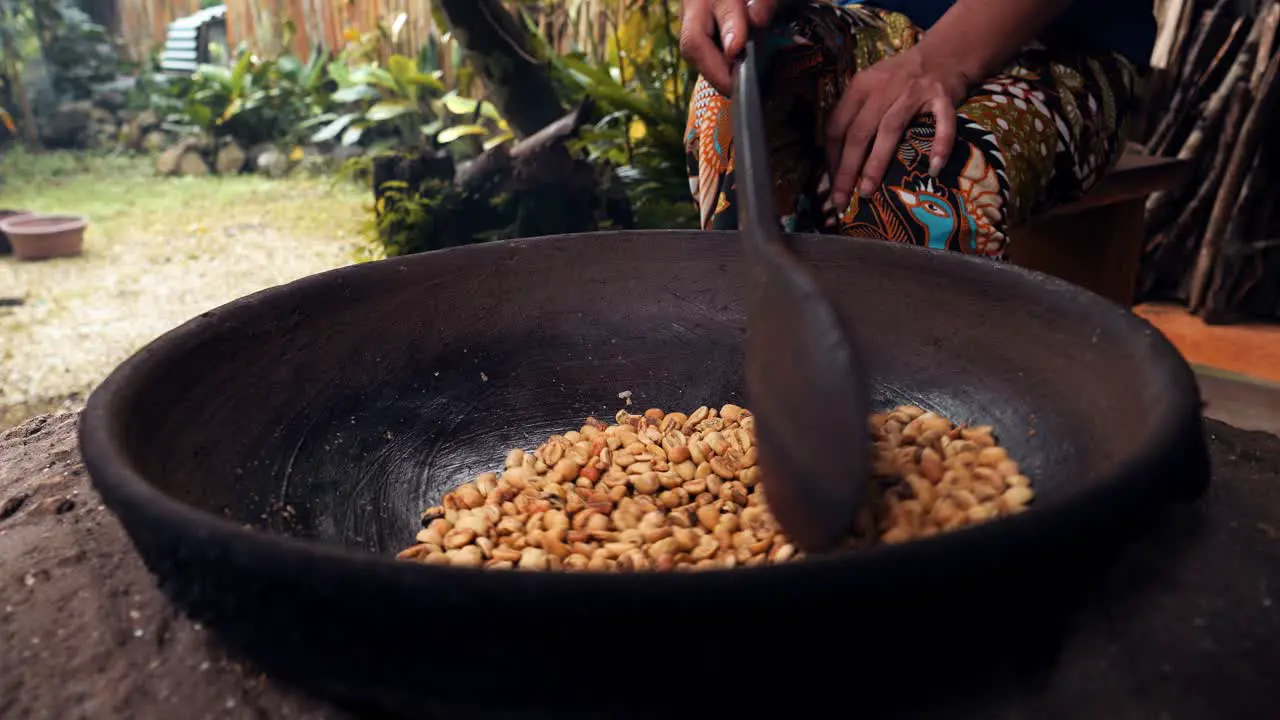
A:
x: 126, y: 491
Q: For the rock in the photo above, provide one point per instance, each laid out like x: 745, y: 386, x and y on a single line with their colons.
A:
x: 315, y: 165
x: 102, y: 116
x: 344, y: 153
x: 80, y: 125
x: 107, y: 135
x: 167, y: 163
x: 112, y: 100
x: 70, y: 126
x: 107, y: 132
x: 131, y: 135
x: 255, y: 151
x: 315, y: 161
x: 114, y: 94
x: 273, y: 163
x: 154, y: 141
x: 170, y: 160
x: 230, y: 159
x: 192, y: 165
x: 147, y: 120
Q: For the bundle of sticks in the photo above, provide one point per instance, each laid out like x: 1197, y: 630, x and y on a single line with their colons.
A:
x: 1213, y: 97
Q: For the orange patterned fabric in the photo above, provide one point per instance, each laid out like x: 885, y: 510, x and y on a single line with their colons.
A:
x: 1037, y: 135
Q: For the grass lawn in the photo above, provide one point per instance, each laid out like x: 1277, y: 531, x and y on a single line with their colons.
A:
x: 158, y: 252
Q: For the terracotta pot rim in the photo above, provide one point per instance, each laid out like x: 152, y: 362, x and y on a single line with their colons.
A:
x: 21, y: 224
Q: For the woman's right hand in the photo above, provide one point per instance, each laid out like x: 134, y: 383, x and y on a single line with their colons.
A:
x: 713, y: 33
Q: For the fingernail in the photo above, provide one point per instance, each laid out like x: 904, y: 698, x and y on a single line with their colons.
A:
x: 935, y: 166
x: 840, y: 202
x: 728, y: 40
x: 866, y: 189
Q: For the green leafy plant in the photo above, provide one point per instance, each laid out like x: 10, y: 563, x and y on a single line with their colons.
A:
x: 476, y: 122
x: 644, y: 86
x: 255, y: 100
x: 385, y: 105
x: 21, y: 23
x: 436, y: 215
x: 80, y: 53
x: 403, y: 103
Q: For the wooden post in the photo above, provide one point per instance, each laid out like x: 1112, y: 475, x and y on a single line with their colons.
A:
x: 1097, y: 241
x: 1098, y: 248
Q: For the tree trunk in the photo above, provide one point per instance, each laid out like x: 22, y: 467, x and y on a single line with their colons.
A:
x: 531, y: 188
x: 30, y: 135
x: 516, y: 81
x: 13, y: 74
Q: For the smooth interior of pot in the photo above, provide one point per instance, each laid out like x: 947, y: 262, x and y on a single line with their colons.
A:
x: 338, y: 407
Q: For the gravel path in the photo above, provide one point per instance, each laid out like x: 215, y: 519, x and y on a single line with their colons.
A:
x: 158, y: 252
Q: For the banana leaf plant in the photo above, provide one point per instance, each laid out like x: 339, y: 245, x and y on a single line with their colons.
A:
x: 404, y: 105
x: 393, y: 104
x: 476, y: 120
x: 254, y: 100
x: 643, y: 86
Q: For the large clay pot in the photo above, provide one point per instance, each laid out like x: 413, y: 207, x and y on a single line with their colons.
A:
x: 40, y: 237
x: 271, y: 456
x: 5, y: 247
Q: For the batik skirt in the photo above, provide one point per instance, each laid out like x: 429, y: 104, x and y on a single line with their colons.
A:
x: 1036, y: 135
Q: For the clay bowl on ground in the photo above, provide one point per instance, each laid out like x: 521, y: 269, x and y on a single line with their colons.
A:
x: 42, y: 237
x: 270, y: 457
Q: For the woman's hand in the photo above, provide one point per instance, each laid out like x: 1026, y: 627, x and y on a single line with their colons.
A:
x: 713, y: 33
x: 874, y: 113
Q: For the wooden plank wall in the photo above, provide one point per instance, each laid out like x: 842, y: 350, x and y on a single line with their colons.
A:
x: 143, y: 23
x: 261, y: 23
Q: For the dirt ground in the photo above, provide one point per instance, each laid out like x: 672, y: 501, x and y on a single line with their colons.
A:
x: 1182, y: 627
x: 84, y: 633
x: 157, y: 253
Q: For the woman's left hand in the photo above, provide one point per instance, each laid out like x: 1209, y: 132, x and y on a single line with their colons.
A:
x: 874, y: 113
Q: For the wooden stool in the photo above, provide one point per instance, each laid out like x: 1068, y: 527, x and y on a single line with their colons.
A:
x: 1096, y: 242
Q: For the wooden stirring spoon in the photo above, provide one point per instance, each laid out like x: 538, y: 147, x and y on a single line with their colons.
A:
x: 804, y: 379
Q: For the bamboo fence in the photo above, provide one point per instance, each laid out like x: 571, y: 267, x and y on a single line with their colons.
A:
x: 144, y: 23
x: 264, y: 25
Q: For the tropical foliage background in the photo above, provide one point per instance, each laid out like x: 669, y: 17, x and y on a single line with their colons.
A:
x: 484, y: 76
